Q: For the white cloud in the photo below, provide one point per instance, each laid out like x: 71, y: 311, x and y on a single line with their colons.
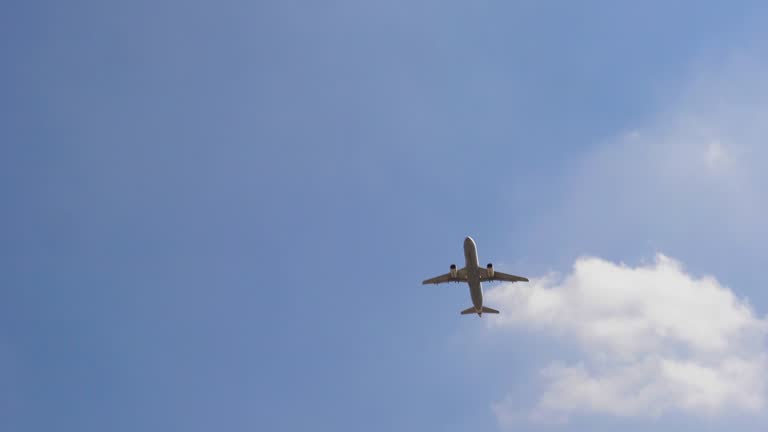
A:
x: 654, y: 339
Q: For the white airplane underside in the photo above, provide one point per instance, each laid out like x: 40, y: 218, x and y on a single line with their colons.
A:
x: 473, y: 275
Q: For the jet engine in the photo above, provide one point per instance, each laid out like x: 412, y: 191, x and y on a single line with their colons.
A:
x: 490, y: 270
x: 453, y: 270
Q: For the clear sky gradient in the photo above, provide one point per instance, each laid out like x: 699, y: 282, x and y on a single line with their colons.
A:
x: 217, y: 215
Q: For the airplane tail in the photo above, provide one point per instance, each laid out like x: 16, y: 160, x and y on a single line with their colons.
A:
x: 485, y: 309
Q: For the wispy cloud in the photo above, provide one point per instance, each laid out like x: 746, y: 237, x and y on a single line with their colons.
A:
x: 654, y: 339
x: 691, y: 176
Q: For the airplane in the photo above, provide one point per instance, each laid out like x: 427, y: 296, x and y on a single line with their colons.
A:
x: 474, y: 275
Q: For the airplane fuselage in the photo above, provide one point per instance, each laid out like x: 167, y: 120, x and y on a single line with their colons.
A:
x: 472, y: 267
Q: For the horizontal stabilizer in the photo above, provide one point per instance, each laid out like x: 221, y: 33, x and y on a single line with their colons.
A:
x: 485, y: 309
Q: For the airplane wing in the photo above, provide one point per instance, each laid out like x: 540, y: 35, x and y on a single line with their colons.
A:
x: 499, y: 276
x: 461, y: 276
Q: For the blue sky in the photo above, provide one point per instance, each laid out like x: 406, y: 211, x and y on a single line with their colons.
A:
x: 217, y: 215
